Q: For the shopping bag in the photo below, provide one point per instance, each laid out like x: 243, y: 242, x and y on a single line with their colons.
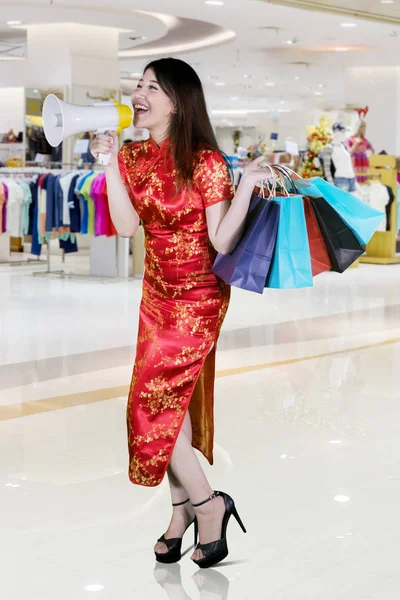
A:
x: 291, y: 266
x: 320, y: 261
x: 362, y: 219
x: 248, y: 265
x: 341, y: 243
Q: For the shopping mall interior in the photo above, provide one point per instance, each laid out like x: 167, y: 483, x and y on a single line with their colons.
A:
x: 306, y: 398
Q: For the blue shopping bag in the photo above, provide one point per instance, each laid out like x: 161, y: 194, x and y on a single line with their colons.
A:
x: 248, y: 265
x: 362, y: 219
x: 291, y: 266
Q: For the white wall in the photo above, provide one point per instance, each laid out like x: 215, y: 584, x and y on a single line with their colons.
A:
x: 224, y: 137
x: 378, y: 88
x: 12, y: 109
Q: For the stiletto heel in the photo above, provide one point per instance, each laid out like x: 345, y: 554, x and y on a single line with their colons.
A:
x: 215, y: 552
x: 196, y: 531
x: 239, y: 520
x: 174, y: 545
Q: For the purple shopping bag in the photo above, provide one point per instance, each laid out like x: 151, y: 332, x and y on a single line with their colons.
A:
x: 248, y: 265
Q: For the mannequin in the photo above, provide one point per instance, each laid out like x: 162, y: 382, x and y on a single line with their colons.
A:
x: 336, y: 160
x: 359, y: 149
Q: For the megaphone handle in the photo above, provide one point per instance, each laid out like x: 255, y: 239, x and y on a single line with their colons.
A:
x: 103, y: 159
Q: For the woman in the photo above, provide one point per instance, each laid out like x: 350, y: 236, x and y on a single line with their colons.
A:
x: 177, y: 183
x: 359, y: 149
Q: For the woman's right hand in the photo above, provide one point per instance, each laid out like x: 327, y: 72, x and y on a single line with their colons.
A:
x: 104, y: 143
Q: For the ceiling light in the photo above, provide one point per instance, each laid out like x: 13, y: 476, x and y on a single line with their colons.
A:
x: 246, y: 76
x: 342, y: 498
x: 269, y: 83
x: 93, y: 588
x: 321, y: 85
x: 214, y: 2
x: 11, y: 23
x: 243, y: 111
x: 296, y: 78
x: 284, y: 110
x: 348, y: 24
x: 387, y: 1
x: 336, y: 442
x: 136, y: 75
x: 290, y: 42
x: 234, y: 98
x: 219, y: 83
x: 341, y: 49
x: 318, y: 93
x: 282, y: 102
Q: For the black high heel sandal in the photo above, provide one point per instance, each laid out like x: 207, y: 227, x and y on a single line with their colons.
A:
x: 215, y: 552
x: 174, y: 545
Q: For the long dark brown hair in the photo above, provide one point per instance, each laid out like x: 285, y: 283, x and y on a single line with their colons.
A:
x: 190, y: 127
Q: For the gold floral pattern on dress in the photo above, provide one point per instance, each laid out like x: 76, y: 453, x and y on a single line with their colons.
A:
x: 182, y: 309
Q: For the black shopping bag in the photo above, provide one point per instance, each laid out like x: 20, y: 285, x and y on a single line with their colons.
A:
x: 341, y: 243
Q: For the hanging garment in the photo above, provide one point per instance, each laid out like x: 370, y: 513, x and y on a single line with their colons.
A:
x: 74, y: 206
x: 84, y: 203
x: 2, y: 205
x: 100, y: 205
x: 14, y: 208
x: 379, y: 198
x: 25, y: 209
x: 36, y: 248
x: 86, y: 192
x: 389, y: 208
x: 182, y: 309
x: 42, y: 206
x: 65, y: 183
x: 111, y: 231
x: 398, y: 208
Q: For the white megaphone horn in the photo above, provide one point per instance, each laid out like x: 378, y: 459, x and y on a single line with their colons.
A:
x: 62, y: 119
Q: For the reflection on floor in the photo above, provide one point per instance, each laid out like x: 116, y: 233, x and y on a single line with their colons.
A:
x: 308, y: 447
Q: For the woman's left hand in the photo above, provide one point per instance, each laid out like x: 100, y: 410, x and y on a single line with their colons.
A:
x: 258, y: 170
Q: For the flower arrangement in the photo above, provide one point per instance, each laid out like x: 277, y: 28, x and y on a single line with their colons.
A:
x: 319, y: 138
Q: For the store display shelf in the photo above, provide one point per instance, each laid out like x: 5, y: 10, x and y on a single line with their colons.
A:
x: 376, y: 260
x: 11, y: 144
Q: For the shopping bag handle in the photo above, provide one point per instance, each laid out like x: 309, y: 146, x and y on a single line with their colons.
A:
x: 282, y: 181
x: 272, y: 191
x: 291, y: 176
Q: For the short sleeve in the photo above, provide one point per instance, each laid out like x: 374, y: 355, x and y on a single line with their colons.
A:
x: 213, y: 178
x: 127, y: 156
x: 122, y: 164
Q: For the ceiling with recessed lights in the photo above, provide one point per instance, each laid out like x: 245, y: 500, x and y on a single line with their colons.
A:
x: 252, y: 55
x: 385, y: 11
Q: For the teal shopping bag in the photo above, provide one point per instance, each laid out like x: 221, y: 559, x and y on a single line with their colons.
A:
x: 361, y: 218
x: 291, y: 266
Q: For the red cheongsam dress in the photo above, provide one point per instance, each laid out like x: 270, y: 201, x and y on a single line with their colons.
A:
x: 182, y: 309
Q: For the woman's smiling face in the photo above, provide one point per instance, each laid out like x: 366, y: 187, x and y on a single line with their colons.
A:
x: 152, y: 106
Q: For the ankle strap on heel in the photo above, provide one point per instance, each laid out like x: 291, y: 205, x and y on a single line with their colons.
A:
x: 181, y: 503
x: 213, y: 495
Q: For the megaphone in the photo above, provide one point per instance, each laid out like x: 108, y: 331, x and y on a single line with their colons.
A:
x: 62, y: 119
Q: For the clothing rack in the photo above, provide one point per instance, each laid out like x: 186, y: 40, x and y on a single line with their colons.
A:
x: 381, y: 250
x: 30, y: 171
x: 107, y: 255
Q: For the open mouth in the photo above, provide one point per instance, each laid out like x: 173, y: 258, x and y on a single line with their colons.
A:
x: 140, y: 109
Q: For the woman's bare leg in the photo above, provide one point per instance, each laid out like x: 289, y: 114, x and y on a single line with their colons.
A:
x: 181, y: 515
x: 188, y: 476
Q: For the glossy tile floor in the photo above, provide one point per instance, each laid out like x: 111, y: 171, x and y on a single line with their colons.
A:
x: 307, y: 442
